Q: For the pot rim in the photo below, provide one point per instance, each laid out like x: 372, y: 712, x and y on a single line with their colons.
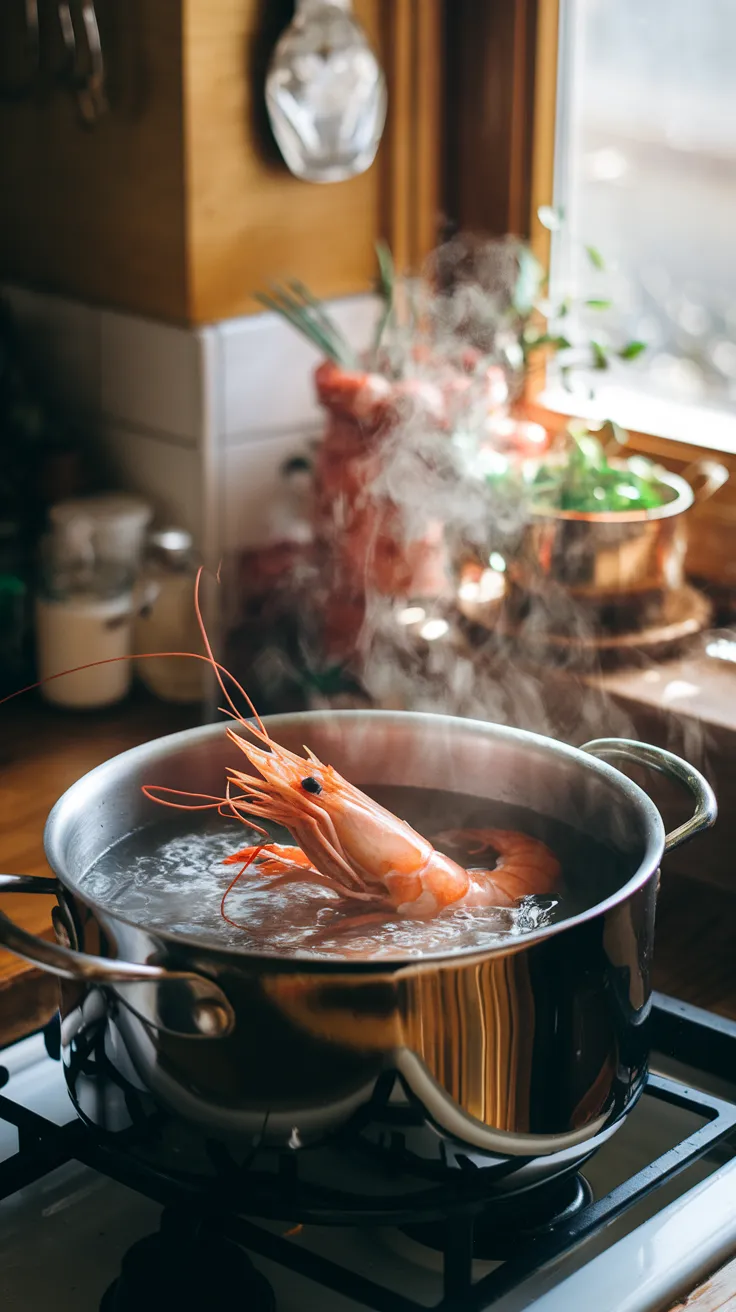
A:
x: 682, y: 501
x: 162, y: 746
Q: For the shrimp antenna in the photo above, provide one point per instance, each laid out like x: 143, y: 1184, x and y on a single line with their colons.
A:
x: 220, y: 670
x: 216, y: 667
x: 147, y: 656
x: 204, y: 802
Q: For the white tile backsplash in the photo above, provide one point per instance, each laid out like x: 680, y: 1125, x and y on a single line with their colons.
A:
x: 358, y: 318
x: 267, y: 377
x: 267, y: 368
x: 151, y: 375
x: 166, y: 474
x: 63, y: 342
x: 198, y: 420
x: 251, y: 482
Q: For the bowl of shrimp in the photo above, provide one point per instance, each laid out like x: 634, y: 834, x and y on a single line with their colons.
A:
x: 278, y: 929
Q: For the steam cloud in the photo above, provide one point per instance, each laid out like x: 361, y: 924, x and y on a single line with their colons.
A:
x: 454, y: 370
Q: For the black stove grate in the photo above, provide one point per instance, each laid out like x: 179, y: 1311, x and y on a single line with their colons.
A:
x: 693, y: 1037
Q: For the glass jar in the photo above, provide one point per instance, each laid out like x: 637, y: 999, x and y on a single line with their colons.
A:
x: 167, y: 621
x: 84, y: 610
x: 118, y: 525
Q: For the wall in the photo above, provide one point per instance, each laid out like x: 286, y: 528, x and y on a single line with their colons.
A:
x: 198, y: 420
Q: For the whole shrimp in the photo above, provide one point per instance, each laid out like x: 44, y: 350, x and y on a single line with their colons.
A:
x: 349, y: 843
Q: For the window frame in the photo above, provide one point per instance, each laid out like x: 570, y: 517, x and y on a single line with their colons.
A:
x: 501, y: 95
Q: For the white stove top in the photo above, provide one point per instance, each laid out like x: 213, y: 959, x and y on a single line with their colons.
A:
x: 62, y: 1238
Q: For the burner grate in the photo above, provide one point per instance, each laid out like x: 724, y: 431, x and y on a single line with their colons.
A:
x: 694, y: 1037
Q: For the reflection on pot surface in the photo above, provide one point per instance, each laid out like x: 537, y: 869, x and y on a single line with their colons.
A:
x: 614, y: 557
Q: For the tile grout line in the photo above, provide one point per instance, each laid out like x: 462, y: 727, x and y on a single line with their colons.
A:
x: 138, y: 429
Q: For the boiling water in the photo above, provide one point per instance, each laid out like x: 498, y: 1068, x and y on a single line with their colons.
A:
x: 170, y: 875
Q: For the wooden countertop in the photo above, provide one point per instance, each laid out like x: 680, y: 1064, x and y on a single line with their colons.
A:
x: 42, y: 752
x: 717, y: 1294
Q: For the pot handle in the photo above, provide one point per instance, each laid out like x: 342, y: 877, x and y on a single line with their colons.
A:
x: 666, y: 763
x: 177, y: 1002
x: 705, y: 478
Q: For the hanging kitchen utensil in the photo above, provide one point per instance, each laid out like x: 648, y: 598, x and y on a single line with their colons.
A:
x: 326, y: 93
x: 88, y: 70
x: 68, y: 37
x: 83, y: 66
x: 31, y: 58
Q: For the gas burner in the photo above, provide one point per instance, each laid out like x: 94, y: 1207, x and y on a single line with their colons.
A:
x: 510, y: 1224
x: 430, y: 1209
x: 187, y: 1266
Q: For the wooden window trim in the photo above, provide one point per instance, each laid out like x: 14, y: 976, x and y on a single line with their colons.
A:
x: 490, y: 75
x: 412, y: 32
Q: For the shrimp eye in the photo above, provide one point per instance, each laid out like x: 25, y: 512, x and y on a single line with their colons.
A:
x: 311, y: 785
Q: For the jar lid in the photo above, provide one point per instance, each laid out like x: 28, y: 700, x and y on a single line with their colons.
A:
x: 112, y: 507
x: 171, y: 547
x: 173, y: 540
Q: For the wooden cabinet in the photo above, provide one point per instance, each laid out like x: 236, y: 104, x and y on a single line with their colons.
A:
x: 177, y: 205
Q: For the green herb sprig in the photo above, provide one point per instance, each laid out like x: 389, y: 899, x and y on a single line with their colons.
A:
x: 585, y: 480
x: 530, y: 303
x: 296, y: 303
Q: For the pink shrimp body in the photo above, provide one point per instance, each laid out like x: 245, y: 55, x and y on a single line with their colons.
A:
x: 357, y: 847
x: 525, y: 864
x: 351, y: 844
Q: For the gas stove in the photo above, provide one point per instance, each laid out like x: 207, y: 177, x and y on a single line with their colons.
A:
x: 86, y: 1224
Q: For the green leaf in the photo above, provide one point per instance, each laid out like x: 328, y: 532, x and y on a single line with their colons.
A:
x: 387, y: 285
x: 514, y: 353
x: 632, y: 350
x: 596, y: 303
x: 313, y: 324
x: 600, y: 356
x: 595, y: 257
x: 550, y: 218
x: 533, y: 336
x: 318, y: 312
x: 386, y: 271
x: 528, y: 282
x: 563, y: 310
x: 561, y: 343
x: 618, y: 434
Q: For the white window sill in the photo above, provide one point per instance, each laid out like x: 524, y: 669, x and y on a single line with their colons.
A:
x: 695, y: 425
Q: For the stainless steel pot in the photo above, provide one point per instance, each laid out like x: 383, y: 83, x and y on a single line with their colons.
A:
x: 614, y: 558
x: 530, y: 1054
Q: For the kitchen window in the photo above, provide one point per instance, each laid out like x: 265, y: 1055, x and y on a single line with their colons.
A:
x: 645, y: 172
